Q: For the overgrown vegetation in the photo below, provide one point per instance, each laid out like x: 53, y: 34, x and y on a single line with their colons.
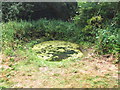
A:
x: 19, y: 33
x: 95, y: 25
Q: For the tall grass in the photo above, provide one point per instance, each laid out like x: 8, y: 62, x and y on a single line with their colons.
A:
x: 16, y: 34
x: 14, y: 31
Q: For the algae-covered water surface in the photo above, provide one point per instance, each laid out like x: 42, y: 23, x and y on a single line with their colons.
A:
x: 57, y: 50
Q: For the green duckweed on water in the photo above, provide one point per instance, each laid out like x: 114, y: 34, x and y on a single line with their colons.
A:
x: 57, y: 50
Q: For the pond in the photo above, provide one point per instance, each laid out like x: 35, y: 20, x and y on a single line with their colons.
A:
x: 57, y: 50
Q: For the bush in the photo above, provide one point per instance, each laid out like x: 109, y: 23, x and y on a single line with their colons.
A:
x: 99, y: 23
x: 107, y: 41
x: 16, y: 10
x: 15, y: 32
x: 86, y: 10
x: 88, y: 33
x: 35, y: 11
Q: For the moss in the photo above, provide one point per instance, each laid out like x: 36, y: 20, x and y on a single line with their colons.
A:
x: 57, y: 50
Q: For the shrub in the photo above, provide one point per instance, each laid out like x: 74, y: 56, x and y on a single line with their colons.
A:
x: 107, y: 41
x: 37, y: 10
x: 14, y: 30
x: 86, y: 10
x: 16, y: 10
x: 18, y: 31
x: 89, y: 31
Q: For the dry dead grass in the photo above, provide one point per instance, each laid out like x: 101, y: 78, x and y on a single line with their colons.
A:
x: 90, y: 72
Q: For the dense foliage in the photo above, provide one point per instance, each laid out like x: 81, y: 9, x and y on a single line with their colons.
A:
x: 50, y: 29
x: 35, y: 11
x: 95, y: 23
x: 100, y: 24
x: 51, y: 44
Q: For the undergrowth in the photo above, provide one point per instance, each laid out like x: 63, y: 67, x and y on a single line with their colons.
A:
x: 18, y: 38
x: 16, y: 34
